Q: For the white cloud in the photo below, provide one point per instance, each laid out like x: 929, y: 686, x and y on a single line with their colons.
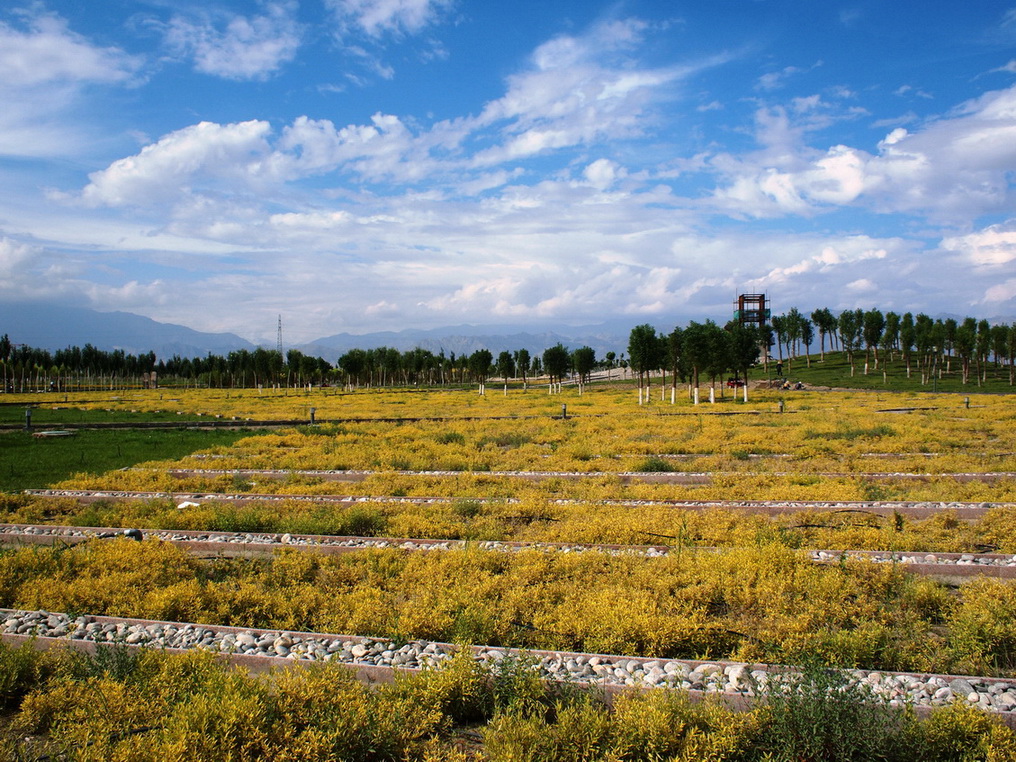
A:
x: 538, y: 206
x: 602, y: 173
x: 1001, y: 292
x: 244, y: 48
x: 861, y: 285
x: 775, y: 79
x: 44, y: 71
x: 994, y: 245
x: 578, y: 90
x: 953, y: 168
x: 163, y: 169
x: 14, y: 256
x: 50, y: 52
x: 379, y: 17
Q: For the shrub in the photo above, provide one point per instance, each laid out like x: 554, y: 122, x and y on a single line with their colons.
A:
x: 818, y: 714
x: 20, y: 670
x: 654, y: 464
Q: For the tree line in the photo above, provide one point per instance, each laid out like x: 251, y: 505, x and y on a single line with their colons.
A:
x: 923, y: 344
x: 869, y: 339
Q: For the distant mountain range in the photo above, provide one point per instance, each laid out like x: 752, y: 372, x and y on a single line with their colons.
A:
x: 466, y: 339
x: 54, y: 327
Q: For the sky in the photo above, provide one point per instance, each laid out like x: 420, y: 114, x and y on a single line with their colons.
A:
x: 367, y: 165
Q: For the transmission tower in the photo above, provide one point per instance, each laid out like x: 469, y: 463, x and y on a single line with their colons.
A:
x: 278, y: 345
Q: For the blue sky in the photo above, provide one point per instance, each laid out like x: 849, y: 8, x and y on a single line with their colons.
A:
x: 362, y: 165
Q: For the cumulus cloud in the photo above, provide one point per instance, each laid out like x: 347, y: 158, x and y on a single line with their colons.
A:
x: 162, y: 169
x: 1000, y: 293
x: 954, y: 167
x: 993, y: 246
x: 541, y: 204
x: 602, y: 173
x: 238, y: 47
x: 14, y: 256
x: 577, y: 92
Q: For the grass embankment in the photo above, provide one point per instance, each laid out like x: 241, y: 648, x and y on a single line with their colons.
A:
x: 835, y: 371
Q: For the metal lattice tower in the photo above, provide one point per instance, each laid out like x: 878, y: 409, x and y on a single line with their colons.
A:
x: 278, y: 345
x: 751, y: 309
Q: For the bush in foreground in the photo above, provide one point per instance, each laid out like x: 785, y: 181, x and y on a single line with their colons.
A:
x: 147, y: 705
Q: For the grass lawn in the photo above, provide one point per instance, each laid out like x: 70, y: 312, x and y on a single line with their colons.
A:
x: 834, y: 371
x: 49, y: 413
x: 30, y: 463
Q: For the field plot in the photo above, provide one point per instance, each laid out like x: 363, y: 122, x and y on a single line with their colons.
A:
x: 724, y: 523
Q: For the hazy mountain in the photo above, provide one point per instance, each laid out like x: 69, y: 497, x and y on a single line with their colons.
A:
x: 466, y: 339
x: 53, y: 327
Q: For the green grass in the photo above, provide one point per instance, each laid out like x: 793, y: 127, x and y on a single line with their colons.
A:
x: 835, y: 372
x: 44, y: 415
x: 30, y: 463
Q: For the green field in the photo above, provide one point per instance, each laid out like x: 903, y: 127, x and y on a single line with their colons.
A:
x: 27, y: 462
x: 48, y: 412
x: 834, y: 371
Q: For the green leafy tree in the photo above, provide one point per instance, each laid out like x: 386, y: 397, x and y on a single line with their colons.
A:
x: 675, y: 356
x: 825, y: 321
x: 522, y: 363
x: 779, y: 325
x: 505, y: 365
x: 872, y: 328
x: 793, y: 326
x: 925, y: 337
x: 744, y: 347
x: 583, y: 361
x: 907, y: 337
x: 983, y: 350
x: 556, y: 361
x: 697, y: 349
x: 479, y: 364
x: 807, y: 337
x: 1010, y: 350
x: 949, y: 327
x: 891, y: 334
x: 850, y: 324
x: 644, y: 351
x: 999, y: 341
x: 720, y: 358
x: 965, y: 345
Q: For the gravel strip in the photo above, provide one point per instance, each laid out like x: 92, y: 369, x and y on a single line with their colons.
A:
x: 811, y: 505
x: 989, y: 694
x: 648, y: 551
x: 273, y: 473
